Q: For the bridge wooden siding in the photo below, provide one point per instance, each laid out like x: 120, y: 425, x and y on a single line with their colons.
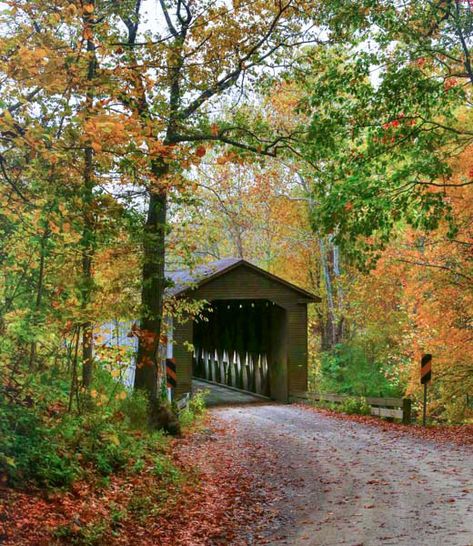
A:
x: 236, y: 279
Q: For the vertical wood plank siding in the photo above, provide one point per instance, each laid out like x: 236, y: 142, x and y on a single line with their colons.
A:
x: 247, y: 284
x: 183, y: 333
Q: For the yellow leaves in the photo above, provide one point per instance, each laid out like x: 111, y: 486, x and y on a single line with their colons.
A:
x: 115, y: 373
x: 71, y: 10
x: 10, y: 461
x: 41, y: 54
x: 157, y: 148
x: 38, y: 64
x: 7, y: 117
x: 113, y: 439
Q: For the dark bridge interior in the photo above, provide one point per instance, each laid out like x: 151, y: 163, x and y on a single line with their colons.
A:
x: 242, y: 344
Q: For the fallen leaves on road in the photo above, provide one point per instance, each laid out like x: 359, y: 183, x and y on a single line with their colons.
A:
x: 222, y: 499
x: 453, y: 434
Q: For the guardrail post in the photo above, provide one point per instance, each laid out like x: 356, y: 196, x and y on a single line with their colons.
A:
x: 406, y: 411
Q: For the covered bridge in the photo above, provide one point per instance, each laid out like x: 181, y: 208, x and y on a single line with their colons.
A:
x: 253, y: 335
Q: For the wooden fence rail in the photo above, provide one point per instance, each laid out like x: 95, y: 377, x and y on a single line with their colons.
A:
x: 397, y: 408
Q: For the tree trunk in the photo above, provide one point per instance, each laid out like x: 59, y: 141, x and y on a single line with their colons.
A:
x: 332, y: 325
x: 153, y: 285
x: 39, y: 294
x: 88, y: 232
x: 328, y: 322
x: 87, y: 279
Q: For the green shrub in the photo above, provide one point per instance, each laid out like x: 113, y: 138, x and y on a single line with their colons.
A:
x: 355, y: 405
x: 197, y: 402
x: 348, y: 369
x: 30, y: 451
x: 92, y: 534
x: 141, y: 505
x: 195, y: 410
x: 135, y: 409
x: 44, y: 444
x: 165, y: 469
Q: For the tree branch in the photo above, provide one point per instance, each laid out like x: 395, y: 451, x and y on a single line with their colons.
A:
x: 10, y: 181
x: 231, y: 77
x: 171, y: 27
x: 435, y: 266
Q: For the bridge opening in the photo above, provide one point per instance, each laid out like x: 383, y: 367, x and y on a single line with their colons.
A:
x: 242, y: 344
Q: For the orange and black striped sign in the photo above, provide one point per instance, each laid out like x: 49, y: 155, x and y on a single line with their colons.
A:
x: 171, y: 376
x: 426, y: 369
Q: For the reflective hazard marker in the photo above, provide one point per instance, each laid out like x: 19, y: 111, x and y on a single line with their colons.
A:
x: 425, y: 378
x: 426, y: 369
x: 171, y: 376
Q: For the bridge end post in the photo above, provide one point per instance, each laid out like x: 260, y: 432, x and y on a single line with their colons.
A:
x: 406, y: 411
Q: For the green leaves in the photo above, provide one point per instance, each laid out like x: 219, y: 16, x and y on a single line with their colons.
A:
x: 383, y: 127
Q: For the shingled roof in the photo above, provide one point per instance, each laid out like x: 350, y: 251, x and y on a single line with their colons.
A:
x: 187, y: 279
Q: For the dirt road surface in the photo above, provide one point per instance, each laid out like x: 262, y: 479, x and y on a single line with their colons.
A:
x: 336, y: 482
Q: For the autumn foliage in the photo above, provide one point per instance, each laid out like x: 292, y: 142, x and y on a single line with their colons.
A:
x: 132, y: 143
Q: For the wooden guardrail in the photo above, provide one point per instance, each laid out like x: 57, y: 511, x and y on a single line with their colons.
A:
x: 397, y: 408
x: 183, y: 402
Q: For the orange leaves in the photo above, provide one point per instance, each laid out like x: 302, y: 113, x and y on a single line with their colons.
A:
x: 96, y: 146
x: 158, y: 149
x: 87, y: 33
x: 105, y: 130
x: 149, y: 340
x: 54, y: 228
x: 37, y: 65
x: 460, y: 435
x: 450, y: 83
x: 228, y: 157
x: 426, y: 277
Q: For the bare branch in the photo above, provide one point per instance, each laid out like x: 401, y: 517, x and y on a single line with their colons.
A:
x: 435, y: 266
x: 10, y: 181
x: 171, y: 27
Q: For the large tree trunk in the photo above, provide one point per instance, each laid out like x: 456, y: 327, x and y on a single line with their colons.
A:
x: 153, y: 285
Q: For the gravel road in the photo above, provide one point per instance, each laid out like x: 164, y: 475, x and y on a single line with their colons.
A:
x: 336, y: 482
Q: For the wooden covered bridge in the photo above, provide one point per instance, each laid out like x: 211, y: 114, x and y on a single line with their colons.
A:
x: 253, y: 334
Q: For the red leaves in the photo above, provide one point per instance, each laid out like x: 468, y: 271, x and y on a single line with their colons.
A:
x: 459, y: 434
x: 390, y: 124
x: 219, y: 499
x: 200, y: 151
x: 450, y: 83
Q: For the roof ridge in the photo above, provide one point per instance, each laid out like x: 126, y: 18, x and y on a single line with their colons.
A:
x: 185, y: 279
